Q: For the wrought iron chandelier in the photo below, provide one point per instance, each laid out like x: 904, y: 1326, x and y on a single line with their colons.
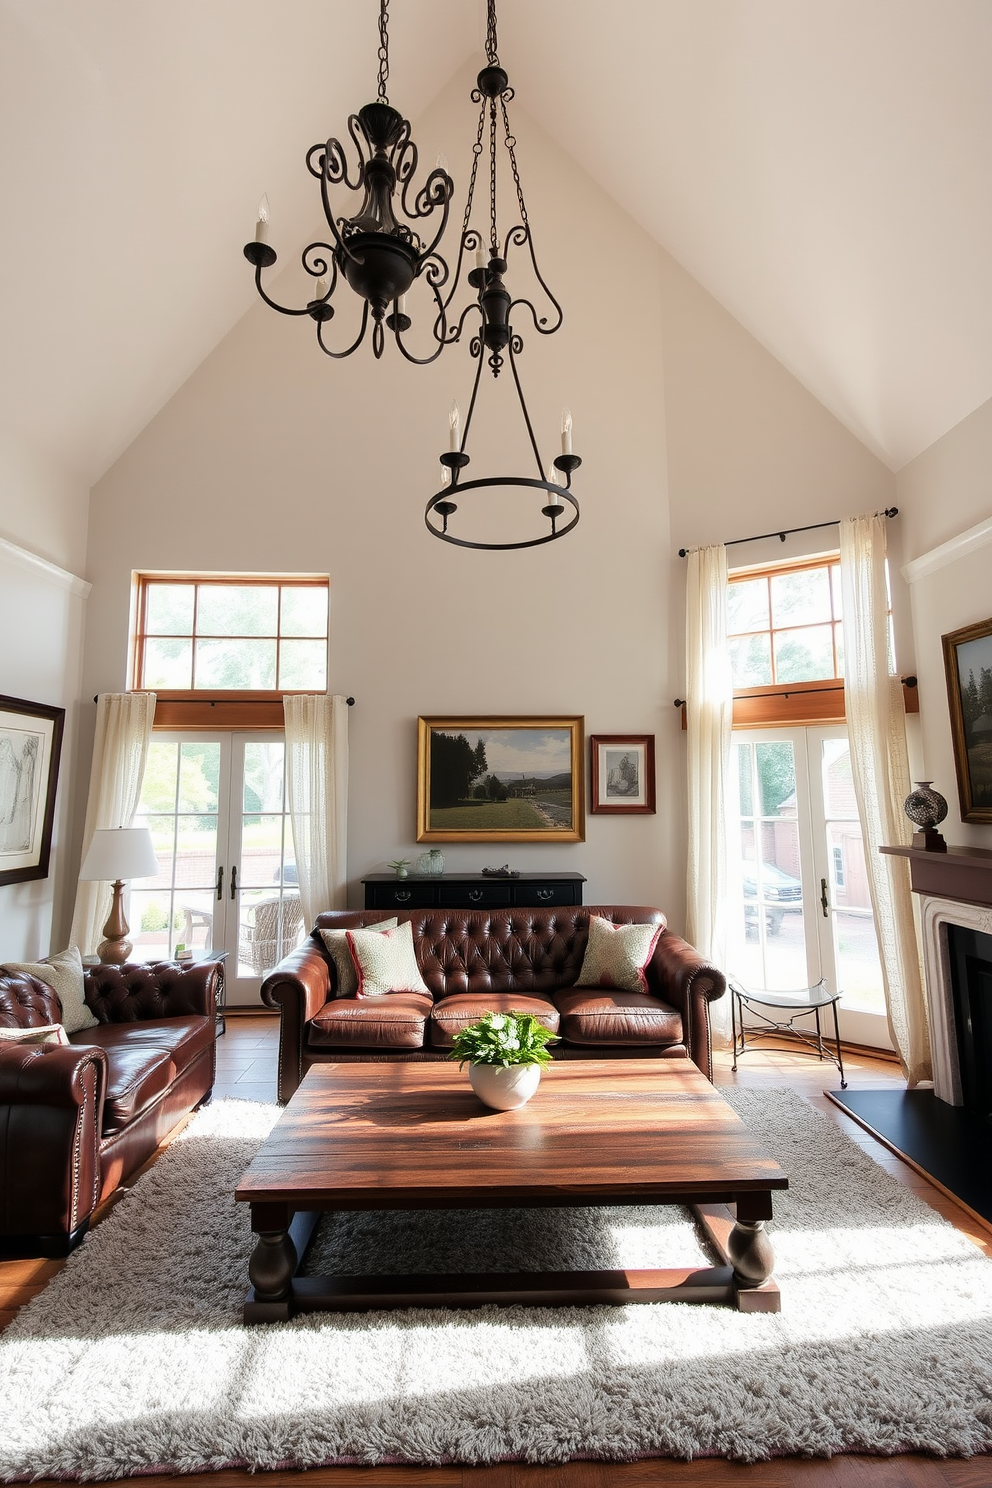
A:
x: 379, y: 256
x: 494, y: 334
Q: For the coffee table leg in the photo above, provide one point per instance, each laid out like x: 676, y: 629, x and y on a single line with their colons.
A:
x: 750, y: 1253
x: 272, y: 1264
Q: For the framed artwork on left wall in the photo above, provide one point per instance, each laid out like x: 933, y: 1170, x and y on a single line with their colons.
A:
x: 30, y: 746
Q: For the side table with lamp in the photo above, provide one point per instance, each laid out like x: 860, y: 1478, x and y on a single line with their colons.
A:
x: 116, y: 854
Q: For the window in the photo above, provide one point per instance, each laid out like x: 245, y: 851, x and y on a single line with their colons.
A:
x: 203, y: 638
x: 786, y: 633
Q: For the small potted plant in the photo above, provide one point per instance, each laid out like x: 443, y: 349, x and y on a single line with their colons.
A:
x: 504, y: 1053
x: 399, y: 866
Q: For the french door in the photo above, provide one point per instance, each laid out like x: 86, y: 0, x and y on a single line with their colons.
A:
x: 802, y: 905
x: 215, y: 804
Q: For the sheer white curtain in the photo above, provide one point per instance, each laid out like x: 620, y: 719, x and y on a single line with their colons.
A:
x: 876, y: 727
x: 317, y: 789
x: 709, y: 716
x: 123, y: 730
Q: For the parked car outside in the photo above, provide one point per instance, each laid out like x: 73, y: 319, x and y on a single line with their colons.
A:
x: 777, y: 888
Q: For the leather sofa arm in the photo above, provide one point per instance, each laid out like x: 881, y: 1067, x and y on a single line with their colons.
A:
x: 51, y: 1114
x: 138, y: 991
x: 299, y: 986
x: 689, y: 982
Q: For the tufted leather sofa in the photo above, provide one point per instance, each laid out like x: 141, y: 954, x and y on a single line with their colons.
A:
x: 76, y: 1120
x: 478, y: 961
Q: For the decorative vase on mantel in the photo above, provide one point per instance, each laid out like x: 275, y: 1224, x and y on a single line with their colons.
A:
x: 431, y: 862
x: 926, y: 809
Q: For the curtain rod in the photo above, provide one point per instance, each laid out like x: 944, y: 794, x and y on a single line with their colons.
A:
x: 804, y: 691
x: 239, y: 701
x: 890, y: 511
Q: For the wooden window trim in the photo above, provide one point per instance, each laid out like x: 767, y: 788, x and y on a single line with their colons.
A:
x: 798, y: 704
x: 196, y: 708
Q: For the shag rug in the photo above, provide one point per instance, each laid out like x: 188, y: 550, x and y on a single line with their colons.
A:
x: 134, y: 1358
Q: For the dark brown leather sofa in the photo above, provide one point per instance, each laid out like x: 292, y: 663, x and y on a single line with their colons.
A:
x: 477, y: 961
x: 76, y: 1120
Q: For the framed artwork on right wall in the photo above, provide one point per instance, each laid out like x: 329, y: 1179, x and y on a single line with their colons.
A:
x: 968, y: 668
x: 622, y: 774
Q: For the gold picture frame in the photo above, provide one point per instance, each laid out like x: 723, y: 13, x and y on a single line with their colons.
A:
x: 968, y: 669
x: 494, y: 779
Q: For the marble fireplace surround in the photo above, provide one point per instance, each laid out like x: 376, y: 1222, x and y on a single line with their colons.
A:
x: 955, y: 888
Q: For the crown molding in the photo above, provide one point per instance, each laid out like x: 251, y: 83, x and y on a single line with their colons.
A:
x: 948, y: 552
x: 16, y: 557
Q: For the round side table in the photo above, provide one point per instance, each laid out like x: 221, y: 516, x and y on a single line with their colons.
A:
x: 769, y: 1009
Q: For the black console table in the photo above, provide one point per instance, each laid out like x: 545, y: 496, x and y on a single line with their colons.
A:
x: 470, y: 890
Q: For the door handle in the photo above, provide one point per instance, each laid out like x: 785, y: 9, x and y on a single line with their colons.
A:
x: 220, y: 883
x: 824, y: 901
x: 234, y: 881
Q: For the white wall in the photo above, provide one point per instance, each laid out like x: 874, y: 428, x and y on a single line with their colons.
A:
x: 43, y: 516
x: 273, y: 458
x: 945, y: 492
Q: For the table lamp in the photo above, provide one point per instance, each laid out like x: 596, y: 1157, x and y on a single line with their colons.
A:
x: 116, y: 854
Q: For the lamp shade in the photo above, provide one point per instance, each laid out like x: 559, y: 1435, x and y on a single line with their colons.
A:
x: 119, y: 853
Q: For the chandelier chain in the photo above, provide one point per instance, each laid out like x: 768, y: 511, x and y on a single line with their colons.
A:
x: 511, y: 150
x: 491, y: 52
x: 476, y: 154
x: 383, y: 49
x: 494, y: 231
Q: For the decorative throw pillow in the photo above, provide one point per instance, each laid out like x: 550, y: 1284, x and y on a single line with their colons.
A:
x: 64, y: 974
x: 385, y: 962
x: 336, y: 942
x: 616, y: 955
x: 48, y: 1033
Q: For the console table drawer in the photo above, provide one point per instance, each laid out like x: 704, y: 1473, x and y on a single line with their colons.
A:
x: 551, y: 893
x: 399, y: 895
x: 475, y: 896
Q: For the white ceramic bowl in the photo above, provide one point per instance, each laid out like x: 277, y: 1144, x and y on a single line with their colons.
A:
x: 504, y: 1087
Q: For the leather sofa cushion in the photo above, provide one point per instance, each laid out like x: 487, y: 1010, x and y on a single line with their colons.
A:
x: 181, y: 1038
x: 136, y: 1076
x: 398, y: 1021
x: 452, y: 1014
x: 594, y: 1015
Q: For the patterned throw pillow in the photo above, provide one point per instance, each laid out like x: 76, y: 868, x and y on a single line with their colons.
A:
x: 616, y: 955
x: 386, y: 962
x: 336, y: 942
x: 64, y: 974
x: 47, y: 1033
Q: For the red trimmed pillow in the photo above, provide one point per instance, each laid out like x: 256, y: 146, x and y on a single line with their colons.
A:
x: 385, y: 961
x: 616, y: 955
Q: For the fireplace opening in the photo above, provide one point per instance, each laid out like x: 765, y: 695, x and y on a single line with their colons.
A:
x: 970, y: 955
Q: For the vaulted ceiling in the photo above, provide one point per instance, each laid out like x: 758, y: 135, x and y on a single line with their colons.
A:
x: 821, y: 166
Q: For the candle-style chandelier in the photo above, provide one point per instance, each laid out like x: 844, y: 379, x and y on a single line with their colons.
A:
x: 494, y: 334
x: 379, y: 256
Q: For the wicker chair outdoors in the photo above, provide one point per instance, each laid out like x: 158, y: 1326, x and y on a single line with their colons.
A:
x: 261, y: 946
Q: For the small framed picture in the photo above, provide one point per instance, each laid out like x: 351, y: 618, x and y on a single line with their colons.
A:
x: 968, y: 667
x: 30, y: 745
x: 622, y: 774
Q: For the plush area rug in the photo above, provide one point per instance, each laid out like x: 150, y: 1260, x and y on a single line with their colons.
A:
x: 134, y: 1358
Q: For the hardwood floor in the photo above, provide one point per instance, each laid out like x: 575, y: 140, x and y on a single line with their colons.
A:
x: 247, y: 1068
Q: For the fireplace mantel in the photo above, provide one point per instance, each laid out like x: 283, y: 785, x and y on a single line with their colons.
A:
x: 955, y: 888
x: 963, y: 873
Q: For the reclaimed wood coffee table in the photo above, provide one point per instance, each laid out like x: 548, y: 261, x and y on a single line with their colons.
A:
x: 598, y: 1132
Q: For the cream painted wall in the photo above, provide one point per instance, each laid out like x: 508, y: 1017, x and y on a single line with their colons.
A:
x: 43, y: 516
x: 273, y: 458
x: 944, y: 492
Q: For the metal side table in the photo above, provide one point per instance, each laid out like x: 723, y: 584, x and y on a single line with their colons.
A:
x: 772, y: 1023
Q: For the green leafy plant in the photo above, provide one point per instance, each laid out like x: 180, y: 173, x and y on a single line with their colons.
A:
x: 398, y: 863
x: 503, y: 1038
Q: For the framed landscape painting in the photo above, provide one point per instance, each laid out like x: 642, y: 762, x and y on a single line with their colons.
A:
x: 622, y: 774
x: 30, y: 745
x: 500, y: 780
x: 968, y: 668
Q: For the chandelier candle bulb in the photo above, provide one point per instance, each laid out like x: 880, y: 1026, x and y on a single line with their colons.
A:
x: 455, y: 426
x: 480, y: 257
x: 566, y: 432
x: 262, y: 225
x: 320, y: 289
x: 401, y: 305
